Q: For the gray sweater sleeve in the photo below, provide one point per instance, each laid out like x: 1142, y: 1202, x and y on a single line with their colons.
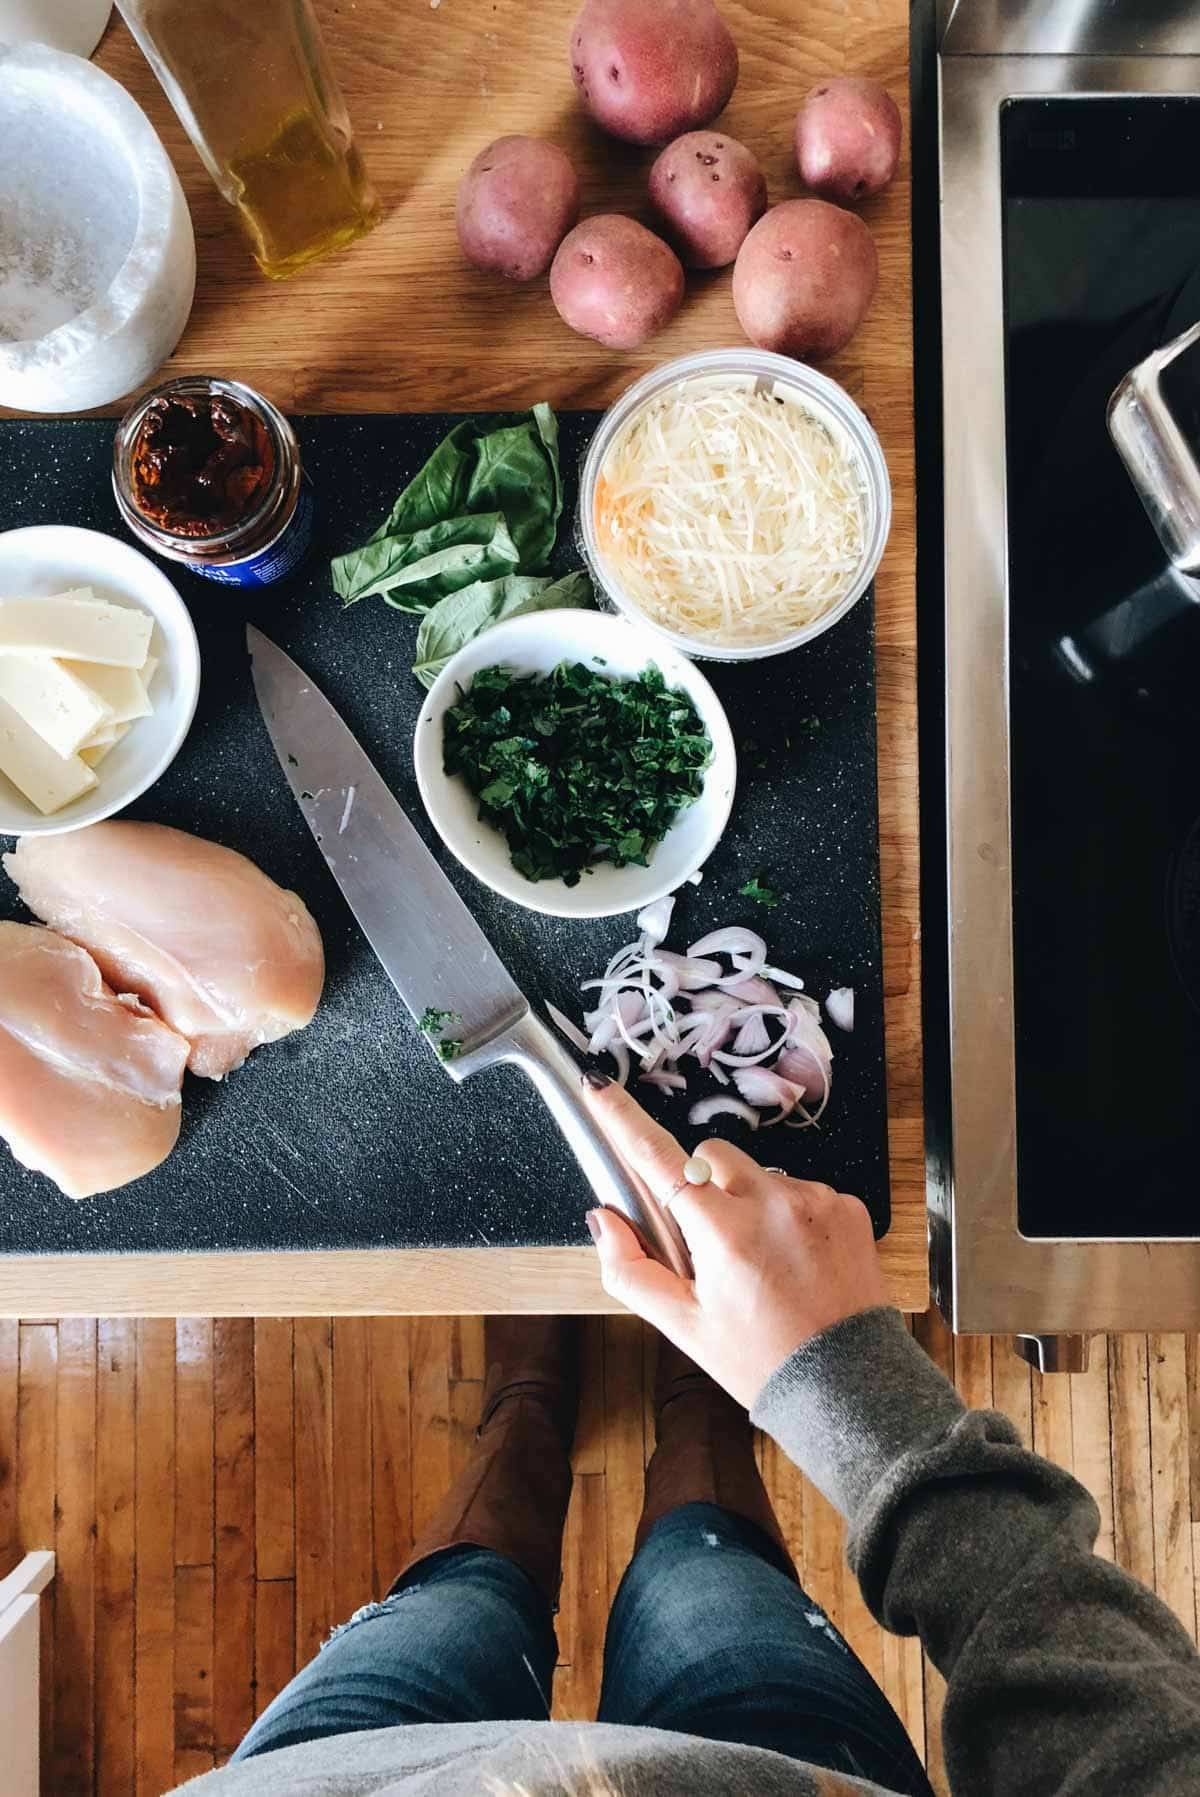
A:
x: 1065, y: 1676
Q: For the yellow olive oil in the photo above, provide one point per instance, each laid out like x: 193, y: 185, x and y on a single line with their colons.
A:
x: 300, y: 196
x: 255, y: 91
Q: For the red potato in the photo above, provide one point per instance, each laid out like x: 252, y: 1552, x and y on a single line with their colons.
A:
x: 515, y: 204
x: 708, y: 190
x: 804, y: 278
x: 847, y: 139
x: 615, y: 281
x: 646, y: 71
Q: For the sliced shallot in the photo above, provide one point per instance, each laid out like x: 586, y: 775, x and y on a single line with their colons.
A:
x: 781, y: 977
x: 754, y: 992
x: 720, y: 1005
x: 802, y: 1068
x: 753, y: 1036
x: 731, y: 941
x: 721, y: 1106
x: 693, y: 974
x: 571, y: 1031
x: 839, y: 1007
x: 665, y: 1082
x: 655, y: 920
x: 759, y: 1086
x: 808, y: 1046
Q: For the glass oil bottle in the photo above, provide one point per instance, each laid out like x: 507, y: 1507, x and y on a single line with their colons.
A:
x: 252, y: 85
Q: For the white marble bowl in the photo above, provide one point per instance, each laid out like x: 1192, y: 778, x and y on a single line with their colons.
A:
x: 97, y: 257
x: 75, y: 25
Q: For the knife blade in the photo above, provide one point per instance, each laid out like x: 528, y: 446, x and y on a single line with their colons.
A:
x: 425, y: 938
x: 431, y: 948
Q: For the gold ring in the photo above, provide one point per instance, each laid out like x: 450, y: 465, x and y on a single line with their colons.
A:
x: 696, y: 1172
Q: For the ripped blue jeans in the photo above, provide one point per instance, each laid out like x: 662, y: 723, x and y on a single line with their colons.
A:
x: 709, y: 1635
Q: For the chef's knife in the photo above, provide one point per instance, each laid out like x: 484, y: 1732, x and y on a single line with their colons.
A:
x: 431, y: 948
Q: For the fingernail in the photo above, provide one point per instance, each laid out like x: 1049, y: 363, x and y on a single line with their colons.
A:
x: 596, y: 1080
x: 593, y: 1222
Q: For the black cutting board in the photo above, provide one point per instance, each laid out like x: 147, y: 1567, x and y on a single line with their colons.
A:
x: 349, y: 1134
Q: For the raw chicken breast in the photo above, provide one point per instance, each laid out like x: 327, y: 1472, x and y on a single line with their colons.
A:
x: 89, y: 1083
x: 200, y: 934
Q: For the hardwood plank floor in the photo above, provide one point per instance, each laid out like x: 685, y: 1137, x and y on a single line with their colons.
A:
x: 72, y: 1767
x: 116, y: 1553
x: 233, y: 1538
x: 220, y: 1493
x: 155, y: 1561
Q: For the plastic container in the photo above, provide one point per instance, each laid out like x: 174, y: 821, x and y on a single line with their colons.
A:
x: 270, y: 541
x: 819, y: 395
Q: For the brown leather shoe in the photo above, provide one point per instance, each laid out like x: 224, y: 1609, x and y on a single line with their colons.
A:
x: 512, y: 1496
x: 704, y: 1452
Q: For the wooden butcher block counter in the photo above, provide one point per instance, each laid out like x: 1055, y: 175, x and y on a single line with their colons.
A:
x: 400, y: 324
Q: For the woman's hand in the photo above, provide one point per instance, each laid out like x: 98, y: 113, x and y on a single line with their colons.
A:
x: 776, y: 1259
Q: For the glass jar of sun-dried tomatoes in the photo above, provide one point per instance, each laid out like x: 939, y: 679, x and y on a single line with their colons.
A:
x: 207, y: 472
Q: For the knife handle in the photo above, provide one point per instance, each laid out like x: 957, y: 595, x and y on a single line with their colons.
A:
x: 539, y: 1054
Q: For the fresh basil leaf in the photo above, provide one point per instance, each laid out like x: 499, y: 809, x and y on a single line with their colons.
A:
x: 479, y: 468
x: 570, y: 592
x: 517, y: 473
x: 424, y: 565
x: 462, y: 616
x: 439, y: 489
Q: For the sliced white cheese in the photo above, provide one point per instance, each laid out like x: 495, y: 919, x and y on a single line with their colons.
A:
x: 107, y: 733
x: 121, y: 690
x: 76, y: 627
x: 93, y: 754
x: 732, y: 514
x: 61, y: 708
x: 47, y: 780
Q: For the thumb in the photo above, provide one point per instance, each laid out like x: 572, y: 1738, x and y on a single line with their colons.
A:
x: 628, y: 1274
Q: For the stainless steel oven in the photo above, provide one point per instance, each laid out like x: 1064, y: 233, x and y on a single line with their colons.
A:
x: 1057, y: 242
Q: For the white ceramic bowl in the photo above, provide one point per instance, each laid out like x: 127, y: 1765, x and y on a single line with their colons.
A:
x: 97, y: 257
x: 745, y: 368
x: 535, y: 645
x: 50, y: 558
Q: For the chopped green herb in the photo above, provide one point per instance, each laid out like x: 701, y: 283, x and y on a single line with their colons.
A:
x: 434, y: 1022
x: 307, y: 795
x: 574, y: 767
x: 758, y: 890
x: 292, y: 762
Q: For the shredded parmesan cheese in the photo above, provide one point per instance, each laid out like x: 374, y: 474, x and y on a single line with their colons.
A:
x: 731, y: 515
